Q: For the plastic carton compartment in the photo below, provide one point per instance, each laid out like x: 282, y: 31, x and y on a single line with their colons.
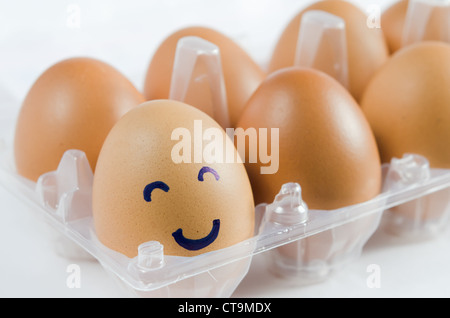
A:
x: 305, y: 245
x: 414, y: 203
x: 419, y: 218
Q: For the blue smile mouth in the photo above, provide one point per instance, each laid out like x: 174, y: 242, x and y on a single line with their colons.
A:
x: 194, y: 245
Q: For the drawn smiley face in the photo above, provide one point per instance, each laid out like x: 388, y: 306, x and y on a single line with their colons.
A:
x: 141, y: 194
x: 186, y: 243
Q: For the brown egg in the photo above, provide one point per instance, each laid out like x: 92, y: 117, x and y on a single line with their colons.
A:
x: 366, y: 47
x: 152, y: 185
x: 393, y: 21
x: 241, y: 74
x: 407, y: 103
x: 325, y: 143
x: 72, y: 105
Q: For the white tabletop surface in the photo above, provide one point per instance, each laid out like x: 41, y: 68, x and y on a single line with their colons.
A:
x: 33, y: 38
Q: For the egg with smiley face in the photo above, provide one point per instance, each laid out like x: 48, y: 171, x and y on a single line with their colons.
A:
x: 155, y: 182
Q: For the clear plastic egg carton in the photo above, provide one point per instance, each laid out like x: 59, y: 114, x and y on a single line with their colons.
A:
x: 302, y: 244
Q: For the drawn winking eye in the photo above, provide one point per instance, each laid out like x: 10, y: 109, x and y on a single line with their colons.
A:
x: 163, y: 186
x: 152, y: 186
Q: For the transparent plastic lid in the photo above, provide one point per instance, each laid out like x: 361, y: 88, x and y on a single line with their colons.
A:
x: 322, y: 44
x: 427, y: 20
x: 197, y: 78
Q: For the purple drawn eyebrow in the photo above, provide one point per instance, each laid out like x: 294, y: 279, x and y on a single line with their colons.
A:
x: 203, y: 170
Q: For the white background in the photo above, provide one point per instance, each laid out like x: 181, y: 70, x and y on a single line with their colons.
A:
x: 36, y: 34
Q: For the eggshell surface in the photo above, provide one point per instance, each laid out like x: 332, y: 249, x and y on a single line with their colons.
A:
x: 394, y: 24
x: 142, y: 192
x: 72, y: 105
x: 325, y: 143
x: 366, y: 47
x: 408, y: 104
x: 242, y: 75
